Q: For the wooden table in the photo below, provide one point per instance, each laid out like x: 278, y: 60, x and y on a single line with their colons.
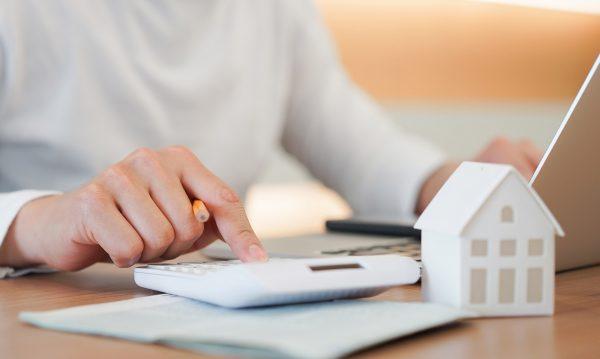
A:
x: 574, y: 331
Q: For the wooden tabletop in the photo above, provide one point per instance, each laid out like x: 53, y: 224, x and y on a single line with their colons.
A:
x: 574, y: 331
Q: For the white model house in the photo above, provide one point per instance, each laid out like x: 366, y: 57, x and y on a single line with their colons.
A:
x: 487, y: 244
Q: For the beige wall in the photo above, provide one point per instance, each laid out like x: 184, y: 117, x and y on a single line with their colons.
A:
x: 462, y: 50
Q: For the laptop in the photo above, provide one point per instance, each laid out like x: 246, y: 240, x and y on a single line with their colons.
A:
x: 567, y: 178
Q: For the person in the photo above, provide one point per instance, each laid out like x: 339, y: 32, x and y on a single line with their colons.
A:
x: 115, y: 115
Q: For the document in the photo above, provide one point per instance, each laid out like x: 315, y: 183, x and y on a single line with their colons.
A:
x: 315, y: 330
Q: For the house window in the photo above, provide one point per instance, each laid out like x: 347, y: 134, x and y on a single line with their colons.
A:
x: 507, y: 214
x: 508, y: 248
x: 478, y: 285
x: 535, y: 247
x: 479, y: 248
x: 506, y: 285
x: 535, y: 285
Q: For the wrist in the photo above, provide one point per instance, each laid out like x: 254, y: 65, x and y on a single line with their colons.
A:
x: 23, y: 244
x: 433, y: 184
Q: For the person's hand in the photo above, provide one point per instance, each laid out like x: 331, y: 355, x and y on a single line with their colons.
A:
x: 138, y: 210
x: 522, y: 155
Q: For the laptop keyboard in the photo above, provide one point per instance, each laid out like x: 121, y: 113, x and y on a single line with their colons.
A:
x: 410, y: 249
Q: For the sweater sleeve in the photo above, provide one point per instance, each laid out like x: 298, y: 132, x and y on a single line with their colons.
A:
x: 344, y: 138
x: 10, y: 204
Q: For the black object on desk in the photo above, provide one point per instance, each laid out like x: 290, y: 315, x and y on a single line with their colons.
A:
x: 387, y: 229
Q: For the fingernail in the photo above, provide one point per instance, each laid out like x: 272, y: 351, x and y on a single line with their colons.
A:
x: 134, y: 260
x: 257, y: 253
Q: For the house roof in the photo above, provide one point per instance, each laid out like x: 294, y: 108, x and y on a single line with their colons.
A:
x: 465, y: 192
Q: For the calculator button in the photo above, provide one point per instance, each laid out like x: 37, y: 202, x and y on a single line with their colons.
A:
x: 192, y: 264
x: 169, y: 267
x: 198, y: 268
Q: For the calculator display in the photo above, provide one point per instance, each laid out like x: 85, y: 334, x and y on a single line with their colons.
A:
x: 319, y: 268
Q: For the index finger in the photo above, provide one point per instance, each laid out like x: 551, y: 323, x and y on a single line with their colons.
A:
x: 225, y: 206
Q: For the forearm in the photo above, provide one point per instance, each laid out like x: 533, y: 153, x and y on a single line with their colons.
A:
x: 345, y: 139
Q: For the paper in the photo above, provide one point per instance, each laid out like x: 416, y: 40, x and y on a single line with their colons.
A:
x: 315, y: 330
x: 7, y: 272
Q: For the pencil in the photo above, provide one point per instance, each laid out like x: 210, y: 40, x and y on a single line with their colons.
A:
x: 200, y: 210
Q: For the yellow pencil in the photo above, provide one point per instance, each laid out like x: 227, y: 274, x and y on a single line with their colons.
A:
x: 200, y: 210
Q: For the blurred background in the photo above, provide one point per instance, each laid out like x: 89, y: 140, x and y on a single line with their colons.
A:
x: 457, y: 72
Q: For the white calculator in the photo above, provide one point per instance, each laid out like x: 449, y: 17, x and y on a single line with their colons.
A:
x: 279, y: 281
